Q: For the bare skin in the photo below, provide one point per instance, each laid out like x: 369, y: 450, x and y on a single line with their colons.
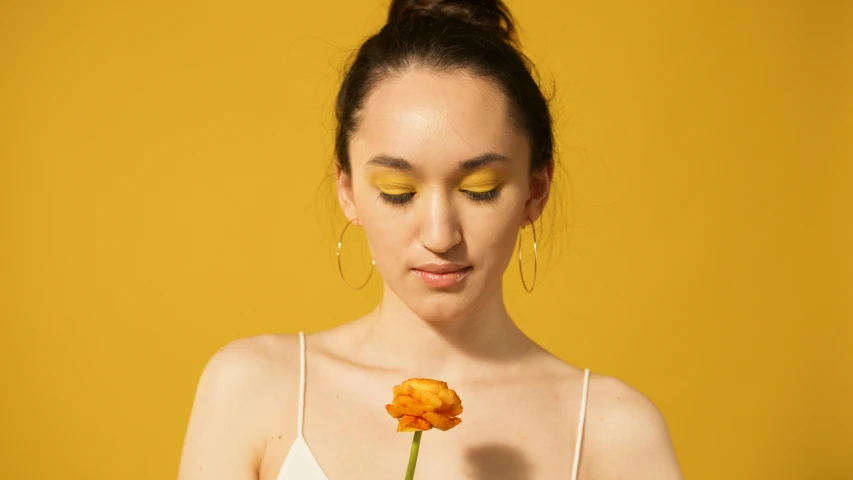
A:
x: 521, y: 402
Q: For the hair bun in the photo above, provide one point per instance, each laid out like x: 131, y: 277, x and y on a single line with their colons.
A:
x: 491, y: 15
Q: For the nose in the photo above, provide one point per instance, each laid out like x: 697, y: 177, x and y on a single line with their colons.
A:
x: 440, y: 230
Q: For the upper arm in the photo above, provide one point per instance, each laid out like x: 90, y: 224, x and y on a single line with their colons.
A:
x: 629, y: 436
x: 223, y: 439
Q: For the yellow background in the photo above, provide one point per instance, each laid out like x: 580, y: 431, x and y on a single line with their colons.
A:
x: 164, y: 190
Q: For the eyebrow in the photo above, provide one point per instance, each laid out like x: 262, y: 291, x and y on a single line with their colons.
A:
x: 398, y: 163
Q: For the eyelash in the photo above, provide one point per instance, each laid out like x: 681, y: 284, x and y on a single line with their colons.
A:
x: 404, y: 198
x: 396, y: 199
x: 484, y: 196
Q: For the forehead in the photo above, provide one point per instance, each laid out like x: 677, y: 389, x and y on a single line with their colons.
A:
x: 433, y: 119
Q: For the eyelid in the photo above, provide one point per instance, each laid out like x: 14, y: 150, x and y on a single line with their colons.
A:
x: 396, y: 188
x: 483, y: 180
x: 393, y: 183
x: 396, y: 200
x: 473, y: 185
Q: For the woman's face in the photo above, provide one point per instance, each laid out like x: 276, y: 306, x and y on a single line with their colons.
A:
x: 440, y: 182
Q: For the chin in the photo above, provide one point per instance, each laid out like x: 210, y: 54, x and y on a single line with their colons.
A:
x: 443, y: 307
x: 439, y: 314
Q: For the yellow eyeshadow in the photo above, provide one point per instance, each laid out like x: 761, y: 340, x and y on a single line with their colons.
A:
x: 392, y: 183
x: 483, y: 180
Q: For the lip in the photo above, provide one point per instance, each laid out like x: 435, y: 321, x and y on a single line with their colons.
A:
x: 440, y: 267
x: 441, y: 275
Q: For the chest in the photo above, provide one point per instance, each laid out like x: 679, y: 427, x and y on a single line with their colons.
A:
x: 507, y: 432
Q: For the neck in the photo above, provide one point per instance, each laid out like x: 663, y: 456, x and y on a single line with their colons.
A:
x: 472, y: 345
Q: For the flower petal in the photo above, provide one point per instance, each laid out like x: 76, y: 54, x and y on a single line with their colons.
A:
x: 428, y: 398
x: 433, y: 386
x: 441, y: 421
x: 413, y: 409
x: 451, y: 410
x: 409, y: 423
x: 402, y: 400
x: 392, y: 410
x: 449, y: 397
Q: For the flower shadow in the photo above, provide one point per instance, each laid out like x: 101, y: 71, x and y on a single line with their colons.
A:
x: 492, y: 461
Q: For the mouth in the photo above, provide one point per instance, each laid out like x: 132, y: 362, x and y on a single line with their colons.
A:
x: 441, y: 276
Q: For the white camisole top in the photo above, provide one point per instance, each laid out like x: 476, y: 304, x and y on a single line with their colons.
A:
x: 300, y: 464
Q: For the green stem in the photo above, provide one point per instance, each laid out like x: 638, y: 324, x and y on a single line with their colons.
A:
x: 413, y: 456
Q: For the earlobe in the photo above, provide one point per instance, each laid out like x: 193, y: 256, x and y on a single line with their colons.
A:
x: 540, y: 187
x: 345, y: 196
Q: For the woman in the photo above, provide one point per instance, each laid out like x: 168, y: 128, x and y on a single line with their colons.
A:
x: 444, y: 151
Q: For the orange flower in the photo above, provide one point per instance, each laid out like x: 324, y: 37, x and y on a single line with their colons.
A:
x: 421, y: 403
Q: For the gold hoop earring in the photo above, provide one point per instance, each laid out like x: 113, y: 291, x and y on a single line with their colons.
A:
x: 535, y: 259
x: 341, y: 270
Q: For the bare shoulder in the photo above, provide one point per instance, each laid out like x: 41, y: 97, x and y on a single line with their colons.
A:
x: 619, y: 410
x: 241, y: 372
x: 248, y: 357
x: 626, y: 435
x: 239, y: 397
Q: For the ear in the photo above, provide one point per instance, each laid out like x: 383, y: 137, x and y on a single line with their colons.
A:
x: 540, y: 188
x: 343, y: 182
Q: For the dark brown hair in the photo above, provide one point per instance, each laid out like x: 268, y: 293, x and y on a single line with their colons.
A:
x: 477, y: 36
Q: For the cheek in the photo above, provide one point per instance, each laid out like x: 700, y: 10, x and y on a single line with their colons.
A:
x: 492, y: 237
x: 492, y: 233
x: 389, y: 237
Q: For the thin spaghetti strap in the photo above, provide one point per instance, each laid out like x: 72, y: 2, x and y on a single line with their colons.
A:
x: 301, y: 384
x: 581, y: 420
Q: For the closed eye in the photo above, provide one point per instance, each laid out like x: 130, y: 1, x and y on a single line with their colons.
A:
x: 396, y: 198
x: 403, y: 198
x: 482, y: 196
